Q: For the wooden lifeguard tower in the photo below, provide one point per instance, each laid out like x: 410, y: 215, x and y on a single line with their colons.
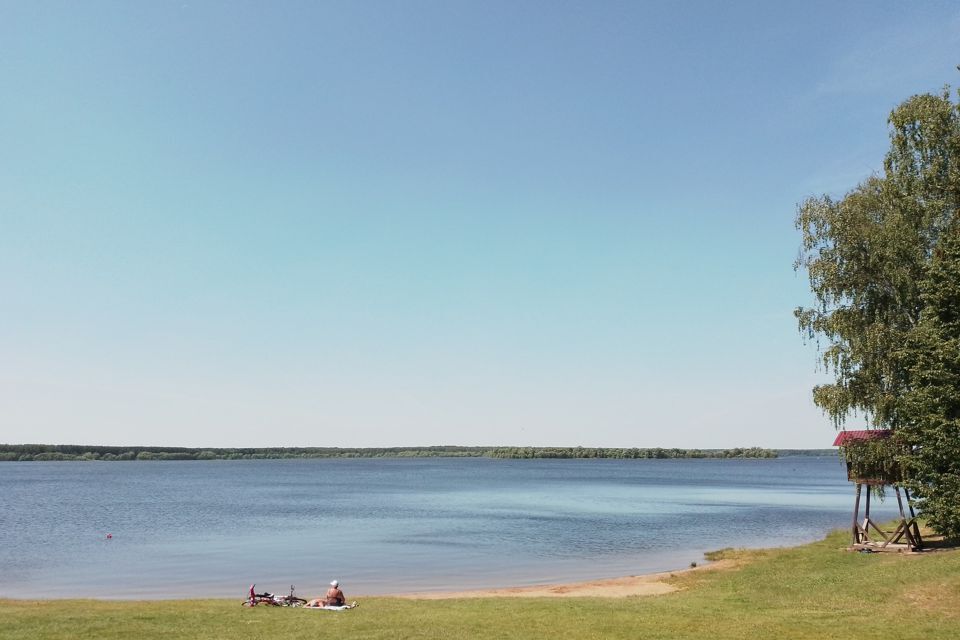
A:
x: 870, y: 458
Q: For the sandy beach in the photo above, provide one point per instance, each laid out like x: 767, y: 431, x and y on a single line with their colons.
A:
x: 653, y: 584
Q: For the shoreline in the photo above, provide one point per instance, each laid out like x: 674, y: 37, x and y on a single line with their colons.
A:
x: 649, y: 584
x: 807, y: 592
x: 640, y: 585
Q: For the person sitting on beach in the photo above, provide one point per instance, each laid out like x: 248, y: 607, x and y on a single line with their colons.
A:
x: 334, y: 597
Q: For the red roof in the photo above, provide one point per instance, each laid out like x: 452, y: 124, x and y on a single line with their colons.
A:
x: 846, y: 437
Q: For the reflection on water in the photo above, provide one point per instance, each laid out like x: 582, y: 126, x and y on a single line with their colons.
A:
x: 212, y: 528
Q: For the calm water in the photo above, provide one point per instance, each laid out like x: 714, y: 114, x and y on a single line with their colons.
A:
x: 382, y: 525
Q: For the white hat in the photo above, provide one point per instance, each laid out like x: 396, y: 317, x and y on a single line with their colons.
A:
x: 335, y: 583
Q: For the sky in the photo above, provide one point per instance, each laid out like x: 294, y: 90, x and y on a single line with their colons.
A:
x: 428, y: 222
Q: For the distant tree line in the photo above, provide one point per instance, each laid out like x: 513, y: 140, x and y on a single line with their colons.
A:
x: 789, y: 453
x: 49, y: 452
x: 40, y: 452
x: 632, y: 453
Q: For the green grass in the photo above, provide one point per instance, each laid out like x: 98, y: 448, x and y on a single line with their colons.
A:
x: 814, y: 591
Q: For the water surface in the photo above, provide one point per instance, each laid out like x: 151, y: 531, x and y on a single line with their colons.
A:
x: 211, y: 528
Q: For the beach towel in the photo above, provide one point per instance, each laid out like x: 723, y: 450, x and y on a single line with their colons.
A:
x: 330, y: 607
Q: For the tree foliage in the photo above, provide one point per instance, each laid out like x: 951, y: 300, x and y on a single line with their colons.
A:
x: 875, y: 460
x: 879, y: 261
x: 931, y: 406
x: 866, y: 255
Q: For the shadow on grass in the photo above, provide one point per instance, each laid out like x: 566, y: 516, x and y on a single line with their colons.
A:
x: 932, y: 542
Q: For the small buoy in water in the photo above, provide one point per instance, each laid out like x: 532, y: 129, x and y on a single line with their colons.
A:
x: 109, y: 536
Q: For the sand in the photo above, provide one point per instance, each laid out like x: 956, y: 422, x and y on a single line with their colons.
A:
x: 653, y: 584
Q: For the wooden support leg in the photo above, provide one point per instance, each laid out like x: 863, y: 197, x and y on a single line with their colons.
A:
x: 866, y: 517
x: 856, y: 516
x: 900, y: 502
x: 908, y: 531
x: 917, y: 540
x: 906, y: 492
x: 898, y: 533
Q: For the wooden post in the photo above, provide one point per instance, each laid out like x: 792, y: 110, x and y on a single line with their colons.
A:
x: 866, y: 509
x: 856, y: 515
x: 900, y: 502
x: 913, y: 519
x: 906, y: 492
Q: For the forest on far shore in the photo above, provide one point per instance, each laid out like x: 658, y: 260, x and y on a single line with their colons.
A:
x: 54, y: 452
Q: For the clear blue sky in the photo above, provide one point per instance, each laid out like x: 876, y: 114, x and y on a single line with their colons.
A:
x: 413, y: 223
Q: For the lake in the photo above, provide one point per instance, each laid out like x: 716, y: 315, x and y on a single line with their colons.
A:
x: 383, y: 525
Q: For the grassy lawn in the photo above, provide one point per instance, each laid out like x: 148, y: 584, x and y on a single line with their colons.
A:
x: 814, y: 591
